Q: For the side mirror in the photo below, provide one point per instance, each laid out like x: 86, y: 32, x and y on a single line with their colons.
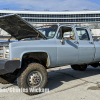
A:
x: 67, y: 36
x: 62, y: 41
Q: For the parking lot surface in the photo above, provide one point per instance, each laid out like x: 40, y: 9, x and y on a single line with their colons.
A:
x: 64, y: 83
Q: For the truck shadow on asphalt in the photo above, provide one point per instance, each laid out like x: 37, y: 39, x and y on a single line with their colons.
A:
x: 56, y: 78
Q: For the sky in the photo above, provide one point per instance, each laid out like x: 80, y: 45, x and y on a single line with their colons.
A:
x: 51, y: 5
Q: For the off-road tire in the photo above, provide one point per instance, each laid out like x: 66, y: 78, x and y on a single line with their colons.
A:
x: 74, y: 67
x: 22, y: 78
x: 82, y: 67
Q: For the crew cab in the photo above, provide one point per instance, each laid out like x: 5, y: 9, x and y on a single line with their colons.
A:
x: 38, y: 49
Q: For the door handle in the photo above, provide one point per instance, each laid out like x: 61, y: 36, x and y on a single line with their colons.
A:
x: 76, y: 42
x: 91, y: 42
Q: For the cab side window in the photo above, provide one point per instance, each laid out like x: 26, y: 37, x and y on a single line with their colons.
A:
x: 82, y: 34
x: 66, y: 32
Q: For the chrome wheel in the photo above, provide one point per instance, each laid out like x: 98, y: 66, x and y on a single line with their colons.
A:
x: 34, y: 79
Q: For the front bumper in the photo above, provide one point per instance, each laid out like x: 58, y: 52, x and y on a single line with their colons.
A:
x: 8, y: 66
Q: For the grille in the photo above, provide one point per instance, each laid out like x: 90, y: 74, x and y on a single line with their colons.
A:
x: 4, y: 52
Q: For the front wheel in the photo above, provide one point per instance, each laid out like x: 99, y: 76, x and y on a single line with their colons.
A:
x: 33, y: 77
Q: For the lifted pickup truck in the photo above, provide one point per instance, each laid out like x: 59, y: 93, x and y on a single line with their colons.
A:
x: 43, y: 47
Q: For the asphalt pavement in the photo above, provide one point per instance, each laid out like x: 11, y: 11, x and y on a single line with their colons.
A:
x: 64, y: 83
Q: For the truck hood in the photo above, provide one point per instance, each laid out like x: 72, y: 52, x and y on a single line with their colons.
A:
x: 18, y: 27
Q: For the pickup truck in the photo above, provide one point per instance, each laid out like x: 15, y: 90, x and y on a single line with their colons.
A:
x: 40, y: 48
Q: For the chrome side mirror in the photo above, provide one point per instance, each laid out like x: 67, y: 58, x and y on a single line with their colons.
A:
x: 62, y: 41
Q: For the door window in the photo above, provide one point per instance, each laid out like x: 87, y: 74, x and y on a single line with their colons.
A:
x: 66, y: 32
x: 82, y: 34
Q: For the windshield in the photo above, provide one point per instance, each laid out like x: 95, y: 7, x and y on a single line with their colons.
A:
x: 49, y: 31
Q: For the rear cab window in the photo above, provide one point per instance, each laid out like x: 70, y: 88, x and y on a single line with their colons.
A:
x: 82, y: 34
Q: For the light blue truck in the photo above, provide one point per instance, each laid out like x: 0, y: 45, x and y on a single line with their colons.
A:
x: 43, y: 47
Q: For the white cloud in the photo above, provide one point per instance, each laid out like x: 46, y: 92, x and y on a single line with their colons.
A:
x: 53, y: 4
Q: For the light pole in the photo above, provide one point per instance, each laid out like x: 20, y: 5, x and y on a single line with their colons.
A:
x: 85, y: 9
x: 27, y: 9
x: 6, y: 8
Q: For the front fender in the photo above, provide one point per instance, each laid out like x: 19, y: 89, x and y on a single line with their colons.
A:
x: 32, y: 51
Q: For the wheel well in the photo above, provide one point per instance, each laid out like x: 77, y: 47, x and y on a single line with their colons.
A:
x: 38, y: 57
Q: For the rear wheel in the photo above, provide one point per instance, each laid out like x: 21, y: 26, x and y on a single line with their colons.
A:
x: 74, y: 67
x: 81, y: 67
x: 33, y: 77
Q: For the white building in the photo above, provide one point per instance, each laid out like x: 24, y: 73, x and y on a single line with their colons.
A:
x: 89, y: 19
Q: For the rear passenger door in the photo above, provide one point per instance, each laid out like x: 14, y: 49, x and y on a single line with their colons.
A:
x: 86, y: 45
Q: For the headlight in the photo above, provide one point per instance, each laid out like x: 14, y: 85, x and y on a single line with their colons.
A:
x: 7, y: 51
x: 6, y: 55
